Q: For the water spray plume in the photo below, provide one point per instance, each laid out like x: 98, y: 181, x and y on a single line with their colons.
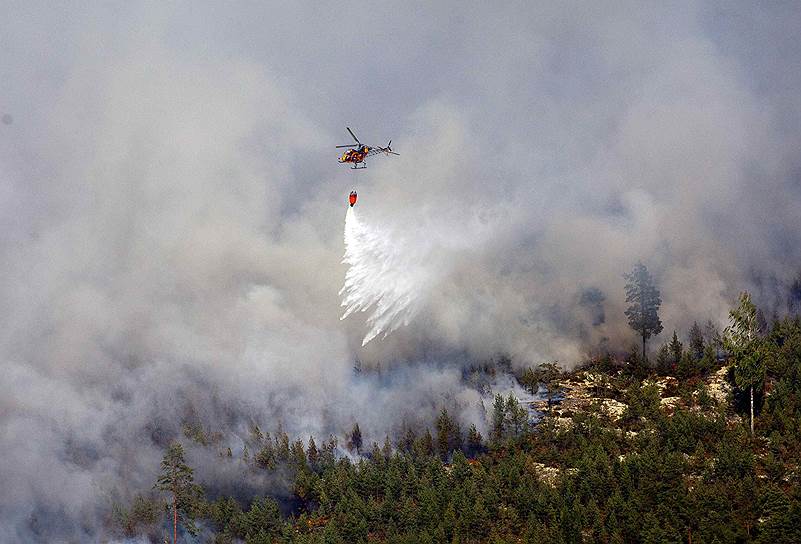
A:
x: 385, y: 276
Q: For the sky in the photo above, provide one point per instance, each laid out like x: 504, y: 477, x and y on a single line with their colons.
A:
x: 172, y: 212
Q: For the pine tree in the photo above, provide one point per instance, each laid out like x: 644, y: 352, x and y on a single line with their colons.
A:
x: 498, y: 419
x: 312, y: 453
x: 376, y: 456
x: 708, y: 359
x: 386, y: 449
x: 663, y: 363
x: 696, y: 341
x: 424, y: 446
x: 530, y: 380
x: 449, y: 435
x: 443, y: 432
x: 676, y: 348
x: 262, y: 521
x: 176, y: 478
x: 686, y: 366
x: 265, y: 458
x: 636, y: 366
x: 643, y: 297
x: 406, y: 443
x: 298, y: 454
x: 475, y: 443
x: 327, y: 450
x: 355, y: 439
x: 282, y: 445
x: 516, y: 416
x: 549, y: 374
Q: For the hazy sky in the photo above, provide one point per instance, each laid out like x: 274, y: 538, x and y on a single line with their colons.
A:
x: 172, y: 213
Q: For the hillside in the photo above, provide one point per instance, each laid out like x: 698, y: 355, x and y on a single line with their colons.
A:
x: 623, y: 453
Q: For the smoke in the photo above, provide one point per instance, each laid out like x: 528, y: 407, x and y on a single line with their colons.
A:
x: 171, y: 225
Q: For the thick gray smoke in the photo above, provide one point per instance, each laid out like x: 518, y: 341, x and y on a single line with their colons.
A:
x: 171, y: 212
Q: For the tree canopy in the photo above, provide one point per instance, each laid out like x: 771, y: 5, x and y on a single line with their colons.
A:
x: 743, y: 341
x: 644, y: 300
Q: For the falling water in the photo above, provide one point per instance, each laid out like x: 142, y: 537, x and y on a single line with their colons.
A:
x: 386, y: 275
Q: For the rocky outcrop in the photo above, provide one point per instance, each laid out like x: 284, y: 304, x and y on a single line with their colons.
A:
x: 585, y: 391
x: 718, y: 386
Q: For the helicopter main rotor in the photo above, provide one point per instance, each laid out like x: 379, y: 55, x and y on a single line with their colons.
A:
x: 357, y: 144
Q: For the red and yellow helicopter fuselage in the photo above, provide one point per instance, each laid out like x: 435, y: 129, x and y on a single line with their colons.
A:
x: 355, y: 156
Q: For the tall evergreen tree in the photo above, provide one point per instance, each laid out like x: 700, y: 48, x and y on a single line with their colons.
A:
x: 676, y: 348
x: 643, y: 299
x: 355, y: 439
x: 696, y: 341
x: 312, y: 454
x: 475, y: 442
x: 743, y: 342
x: 176, y: 478
x: 498, y: 431
x: 424, y: 446
x: 449, y: 435
x: 515, y: 421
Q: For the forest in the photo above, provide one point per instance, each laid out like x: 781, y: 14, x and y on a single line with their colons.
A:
x: 698, y: 445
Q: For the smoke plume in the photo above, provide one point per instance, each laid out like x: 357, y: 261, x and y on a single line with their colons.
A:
x: 171, y: 214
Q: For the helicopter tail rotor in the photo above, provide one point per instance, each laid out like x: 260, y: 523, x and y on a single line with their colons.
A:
x: 388, y: 149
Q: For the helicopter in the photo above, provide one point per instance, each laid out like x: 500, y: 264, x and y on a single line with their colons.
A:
x: 359, y: 152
